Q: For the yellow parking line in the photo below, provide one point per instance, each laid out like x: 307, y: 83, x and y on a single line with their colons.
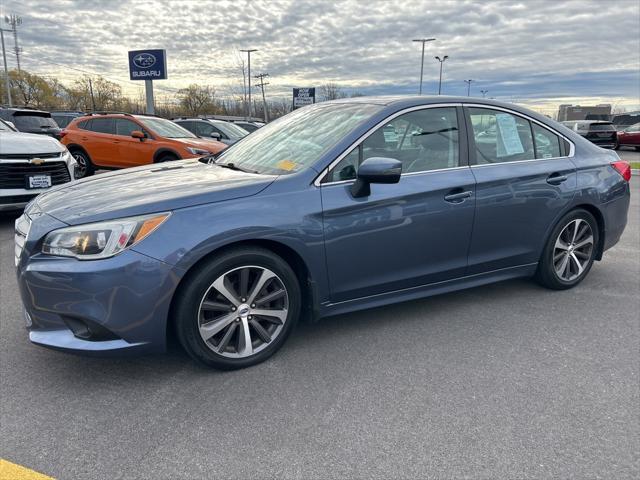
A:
x: 11, y: 471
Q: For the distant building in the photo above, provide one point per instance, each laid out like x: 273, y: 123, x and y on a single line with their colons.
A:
x: 578, y: 112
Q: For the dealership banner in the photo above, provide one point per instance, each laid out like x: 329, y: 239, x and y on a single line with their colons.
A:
x: 148, y: 65
x: 303, y: 96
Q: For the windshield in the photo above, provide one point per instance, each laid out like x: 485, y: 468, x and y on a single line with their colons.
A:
x: 166, y: 128
x: 298, y: 139
x: 4, y: 127
x: 27, y: 122
x: 230, y: 130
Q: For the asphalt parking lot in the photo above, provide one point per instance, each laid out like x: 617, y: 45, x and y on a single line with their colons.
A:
x: 503, y: 381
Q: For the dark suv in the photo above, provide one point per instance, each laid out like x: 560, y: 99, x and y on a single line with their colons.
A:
x: 601, y: 133
x: 31, y: 121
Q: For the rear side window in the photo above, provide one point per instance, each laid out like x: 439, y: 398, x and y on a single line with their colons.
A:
x: 500, y: 137
x: 102, y: 125
x: 547, y: 143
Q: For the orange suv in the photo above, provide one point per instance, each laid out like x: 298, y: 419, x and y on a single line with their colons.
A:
x: 120, y: 140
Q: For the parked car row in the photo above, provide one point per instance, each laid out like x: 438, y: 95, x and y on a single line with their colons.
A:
x: 605, y: 134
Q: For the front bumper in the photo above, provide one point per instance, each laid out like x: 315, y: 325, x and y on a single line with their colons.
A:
x: 104, y: 307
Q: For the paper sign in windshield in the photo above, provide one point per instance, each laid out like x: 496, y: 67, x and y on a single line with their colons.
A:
x: 508, y: 138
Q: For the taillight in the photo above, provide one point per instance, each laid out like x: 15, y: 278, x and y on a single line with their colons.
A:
x: 62, y: 134
x: 623, y: 168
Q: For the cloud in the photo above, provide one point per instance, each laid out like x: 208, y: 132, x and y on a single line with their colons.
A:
x: 524, y: 50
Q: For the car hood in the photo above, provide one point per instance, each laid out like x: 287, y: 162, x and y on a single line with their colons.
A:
x: 201, y: 142
x: 148, y: 189
x: 26, y: 143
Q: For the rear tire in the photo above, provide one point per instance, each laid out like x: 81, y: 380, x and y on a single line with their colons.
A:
x: 238, y: 308
x: 84, y: 167
x: 570, y: 251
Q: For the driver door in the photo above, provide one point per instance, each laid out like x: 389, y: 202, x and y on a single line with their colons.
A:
x: 407, y: 234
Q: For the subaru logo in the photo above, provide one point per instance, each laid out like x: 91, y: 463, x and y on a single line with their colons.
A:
x: 144, y: 60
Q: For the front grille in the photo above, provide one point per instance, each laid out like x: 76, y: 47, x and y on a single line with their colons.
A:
x: 23, y: 224
x: 13, y: 175
x: 9, y: 199
x: 28, y: 156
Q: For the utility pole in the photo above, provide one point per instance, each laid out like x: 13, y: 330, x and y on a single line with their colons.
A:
x: 441, y: 60
x: 249, y: 50
x: 93, y: 100
x: 468, y: 82
x: 15, y: 21
x: 6, y: 70
x: 423, y: 41
x: 262, y: 84
x: 484, y: 93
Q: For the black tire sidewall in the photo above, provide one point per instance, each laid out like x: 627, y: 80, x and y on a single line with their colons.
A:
x: 546, y: 272
x: 189, y: 297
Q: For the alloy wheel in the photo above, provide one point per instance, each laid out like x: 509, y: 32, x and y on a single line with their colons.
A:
x: 81, y: 165
x: 243, y: 311
x: 573, y: 250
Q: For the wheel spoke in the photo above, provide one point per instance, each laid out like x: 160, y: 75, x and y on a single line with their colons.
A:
x: 582, y: 255
x: 577, y: 263
x: 227, y: 336
x: 220, y: 286
x: 576, y: 225
x: 244, y: 282
x: 265, y: 276
x: 208, y: 305
x: 271, y: 297
x: 563, y: 266
x: 281, y: 315
x: 586, y: 241
x: 244, y: 339
x: 561, y: 244
x: 262, y: 333
x: 209, y: 329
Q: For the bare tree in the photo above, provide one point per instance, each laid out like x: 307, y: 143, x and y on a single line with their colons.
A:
x: 197, y: 99
x: 330, y: 91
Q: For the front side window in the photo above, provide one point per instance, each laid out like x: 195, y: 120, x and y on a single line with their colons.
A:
x: 125, y: 127
x: 205, y: 129
x: 422, y: 140
x: 500, y: 137
x: 299, y: 139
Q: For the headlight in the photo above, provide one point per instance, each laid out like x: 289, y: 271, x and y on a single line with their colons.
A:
x: 70, y: 161
x: 198, y: 151
x: 101, y: 240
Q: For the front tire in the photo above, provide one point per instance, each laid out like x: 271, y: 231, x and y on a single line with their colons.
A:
x: 237, y: 309
x: 570, y: 251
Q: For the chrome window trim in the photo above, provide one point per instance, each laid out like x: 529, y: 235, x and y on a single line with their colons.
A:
x: 572, y: 147
x: 423, y: 172
x: 318, y: 180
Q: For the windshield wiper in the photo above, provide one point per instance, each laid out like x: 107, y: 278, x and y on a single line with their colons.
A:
x: 233, y: 166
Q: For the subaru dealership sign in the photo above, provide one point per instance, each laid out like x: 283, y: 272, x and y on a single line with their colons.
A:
x: 147, y: 65
x: 303, y: 96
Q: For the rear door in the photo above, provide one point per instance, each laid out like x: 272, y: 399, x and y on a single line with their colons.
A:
x: 407, y: 234
x: 99, y: 141
x: 524, y: 180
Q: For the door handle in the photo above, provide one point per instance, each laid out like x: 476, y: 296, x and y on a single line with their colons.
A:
x: 556, y: 179
x: 458, y: 196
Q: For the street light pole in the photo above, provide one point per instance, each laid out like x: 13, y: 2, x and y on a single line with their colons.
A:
x: 6, y: 71
x: 249, y: 109
x: 441, y: 60
x: 468, y: 82
x: 423, y: 41
x: 484, y: 93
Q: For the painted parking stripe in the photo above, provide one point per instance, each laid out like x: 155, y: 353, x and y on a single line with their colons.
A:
x: 11, y: 471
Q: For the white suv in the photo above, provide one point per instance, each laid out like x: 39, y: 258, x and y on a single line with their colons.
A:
x: 29, y: 165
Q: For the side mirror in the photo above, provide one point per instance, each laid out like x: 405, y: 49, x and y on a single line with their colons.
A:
x: 138, y: 134
x: 215, y: 135
x: 375, y: 170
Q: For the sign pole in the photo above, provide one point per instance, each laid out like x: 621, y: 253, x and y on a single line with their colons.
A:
x: 148, y: 88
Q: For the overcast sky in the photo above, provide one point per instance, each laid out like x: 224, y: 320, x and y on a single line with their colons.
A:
x: 534, y: 51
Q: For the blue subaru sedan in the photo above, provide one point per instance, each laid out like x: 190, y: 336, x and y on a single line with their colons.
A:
x: 336, y: 207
